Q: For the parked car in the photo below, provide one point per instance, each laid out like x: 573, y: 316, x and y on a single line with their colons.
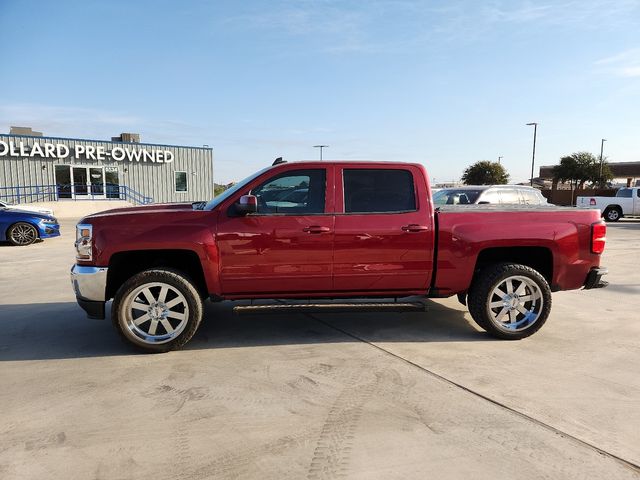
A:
x: 365, y: 229
x: 483, y: 194
x: 625, y: 203
x: 20, y: 227
x: 26, y: 208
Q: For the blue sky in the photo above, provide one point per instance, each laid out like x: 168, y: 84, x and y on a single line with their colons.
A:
x: 443, y: 83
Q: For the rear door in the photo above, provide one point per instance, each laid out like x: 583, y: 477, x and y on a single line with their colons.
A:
x: 384, y: 233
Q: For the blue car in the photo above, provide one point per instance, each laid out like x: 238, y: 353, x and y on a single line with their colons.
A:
x: 20, y: 227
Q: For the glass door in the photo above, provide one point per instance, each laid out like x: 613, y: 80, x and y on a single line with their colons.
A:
x: 112, y: 182
x: 96, y: 179
x: 80, y: 187
x: 63, y: 181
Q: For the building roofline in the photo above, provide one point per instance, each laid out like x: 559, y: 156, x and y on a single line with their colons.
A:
x: 102, y: 141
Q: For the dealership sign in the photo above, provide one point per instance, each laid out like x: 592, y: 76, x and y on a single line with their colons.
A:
x: 90, y: 152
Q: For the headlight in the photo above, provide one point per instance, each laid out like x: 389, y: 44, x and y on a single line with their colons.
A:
x: 49, y: 221
x: 84, y: 240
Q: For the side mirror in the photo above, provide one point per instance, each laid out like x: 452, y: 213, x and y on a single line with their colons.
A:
x: 247, y: 204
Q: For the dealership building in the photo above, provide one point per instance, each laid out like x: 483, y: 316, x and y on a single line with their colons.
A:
x: 36, y: 168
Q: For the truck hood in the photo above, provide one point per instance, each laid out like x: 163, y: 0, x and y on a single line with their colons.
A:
x: 144, y: 209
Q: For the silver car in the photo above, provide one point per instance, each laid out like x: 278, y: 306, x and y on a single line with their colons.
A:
x: 489, y: 194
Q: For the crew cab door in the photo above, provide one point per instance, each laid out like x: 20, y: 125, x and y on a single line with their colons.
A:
x: 286, y: 247
x: 636, y: 202
x: 384, y: 232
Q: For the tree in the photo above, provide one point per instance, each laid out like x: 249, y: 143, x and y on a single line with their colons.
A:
x: 218, y: 189
x: 485, y: 173
x: 581, y: 167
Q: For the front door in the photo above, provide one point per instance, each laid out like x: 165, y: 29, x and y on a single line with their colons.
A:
x: 384, y: 234
x: 96, y: 181
x: 80, y: 187
x: 286, y: 247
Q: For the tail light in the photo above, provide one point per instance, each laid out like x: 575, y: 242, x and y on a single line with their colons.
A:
x: 598, y: 237
x: 592, y: 201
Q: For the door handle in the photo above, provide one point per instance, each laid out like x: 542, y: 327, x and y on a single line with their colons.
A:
x: 316, y: 229
x: 415, y: 228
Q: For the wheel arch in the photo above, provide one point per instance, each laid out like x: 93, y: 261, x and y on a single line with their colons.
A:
x: 538, y: 258
x: 124, y: 265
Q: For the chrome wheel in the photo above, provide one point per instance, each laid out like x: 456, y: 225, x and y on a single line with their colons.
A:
x: 155, y: 313
x: 23, y: 234
x: 515, y: 303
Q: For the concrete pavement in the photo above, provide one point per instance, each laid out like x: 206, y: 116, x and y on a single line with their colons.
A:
x: 319, y: 396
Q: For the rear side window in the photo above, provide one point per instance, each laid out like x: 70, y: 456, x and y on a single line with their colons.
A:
x: 625, y: 193
x: 530, y: 197
x: 378, y: 191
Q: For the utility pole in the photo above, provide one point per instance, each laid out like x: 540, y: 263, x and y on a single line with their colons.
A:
x: 320, y: 147
x: 500, y: 158
x: 601, y: 149
x: 533, y: 156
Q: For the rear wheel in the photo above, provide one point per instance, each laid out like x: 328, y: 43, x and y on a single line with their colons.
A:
x: 510, y: 301
x: 157, y: 310
x: 22, y: 233
x: 612, y: 214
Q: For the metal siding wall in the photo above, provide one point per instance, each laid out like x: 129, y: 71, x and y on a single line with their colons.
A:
x: 150, y: 179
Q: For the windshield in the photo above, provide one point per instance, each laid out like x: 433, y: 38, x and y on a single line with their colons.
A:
x: 453, y: 196
x: 211, y: 204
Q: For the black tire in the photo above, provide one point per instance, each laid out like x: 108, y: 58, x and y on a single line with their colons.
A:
x: 22, y: 234
x: 482, y: 295
x: 131, y: 304
x: 612, y: 214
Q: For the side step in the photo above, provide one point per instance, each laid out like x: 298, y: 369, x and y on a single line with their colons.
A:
x: 330, y: 307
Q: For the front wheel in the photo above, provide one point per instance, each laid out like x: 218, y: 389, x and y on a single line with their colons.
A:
x: 22, y: 234
x: 157, y: 310
x: 510, y: 301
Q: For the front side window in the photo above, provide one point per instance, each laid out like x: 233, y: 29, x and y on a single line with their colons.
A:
x: 456, y: 196
x: 181, y: 181
x: 510, y: 196
x: 489, y: 196
x: 378, y: 191
x: 296, y: 192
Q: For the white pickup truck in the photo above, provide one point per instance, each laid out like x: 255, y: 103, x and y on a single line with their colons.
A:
x: 625, y: 203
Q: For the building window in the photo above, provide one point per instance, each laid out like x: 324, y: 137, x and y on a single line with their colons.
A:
x: 181, y: 181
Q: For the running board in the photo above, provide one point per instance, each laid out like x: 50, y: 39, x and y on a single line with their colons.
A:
x: 330, y: 307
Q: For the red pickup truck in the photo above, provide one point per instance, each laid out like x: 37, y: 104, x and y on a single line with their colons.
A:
x: 330, y: 230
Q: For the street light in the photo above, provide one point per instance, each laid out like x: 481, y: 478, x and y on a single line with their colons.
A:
x: 533, y: 156
x: 601, y: 149
x: 320, y: 147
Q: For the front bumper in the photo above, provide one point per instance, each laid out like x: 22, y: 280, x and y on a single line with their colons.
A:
x: 48, y: 230
x: 594, y: 278
x: 90, y: 285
